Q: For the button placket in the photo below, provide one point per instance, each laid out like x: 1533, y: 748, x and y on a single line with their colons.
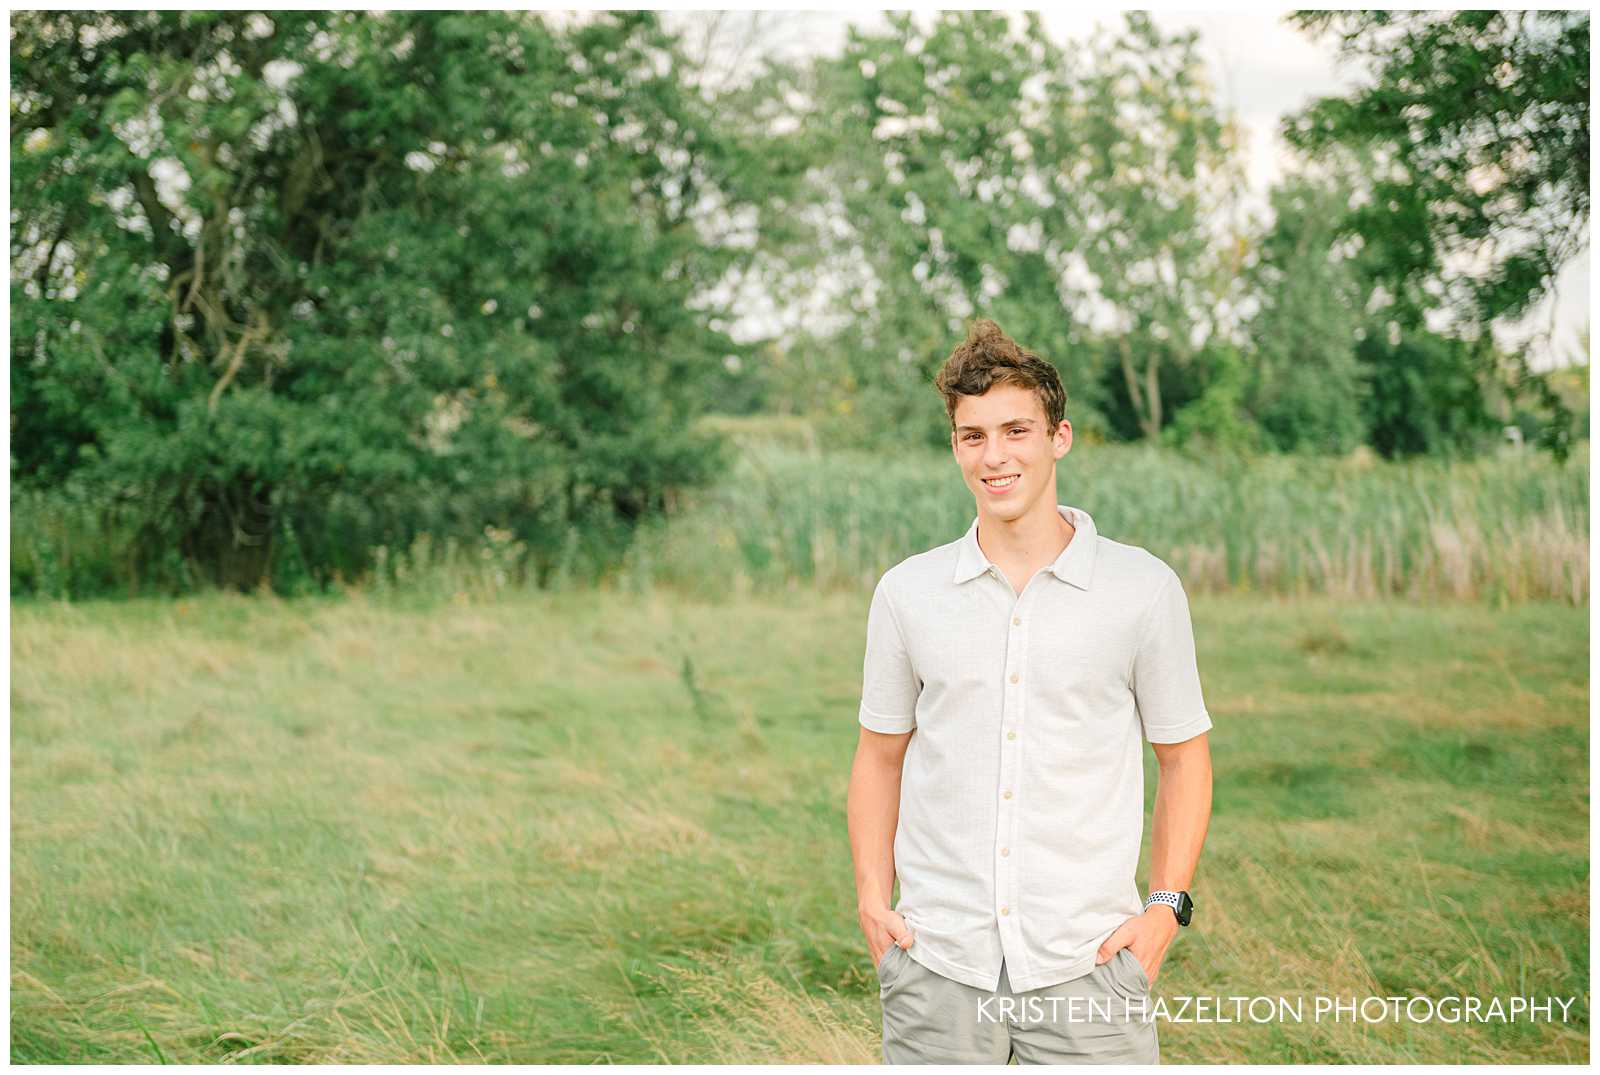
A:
x: 1013, y: 692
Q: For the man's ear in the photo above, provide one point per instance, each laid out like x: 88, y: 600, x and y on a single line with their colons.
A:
x: 1064, y: 430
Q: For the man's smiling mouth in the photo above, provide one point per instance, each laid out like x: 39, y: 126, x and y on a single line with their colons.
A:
x: 1001, y: 483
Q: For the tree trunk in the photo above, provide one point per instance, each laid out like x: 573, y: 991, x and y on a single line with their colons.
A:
x: 1152, y: 380
x: 1146, y: 401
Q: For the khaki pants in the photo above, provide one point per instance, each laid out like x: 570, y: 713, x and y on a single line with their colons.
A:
x: 1103, y: 1017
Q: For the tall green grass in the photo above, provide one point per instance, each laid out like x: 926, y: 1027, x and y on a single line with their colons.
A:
x: 793, y: 513
x: 1508, y: 528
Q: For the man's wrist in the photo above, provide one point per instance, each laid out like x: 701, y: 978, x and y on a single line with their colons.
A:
x: 869, y: 904
x: 1158, y: 907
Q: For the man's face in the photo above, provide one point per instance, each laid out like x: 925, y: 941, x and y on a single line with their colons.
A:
x: 1004, y: 433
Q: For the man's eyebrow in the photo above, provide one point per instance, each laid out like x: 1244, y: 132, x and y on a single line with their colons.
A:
x: 1007, y: 422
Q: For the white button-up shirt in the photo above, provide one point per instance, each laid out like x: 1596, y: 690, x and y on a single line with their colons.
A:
x: 1022, y: 793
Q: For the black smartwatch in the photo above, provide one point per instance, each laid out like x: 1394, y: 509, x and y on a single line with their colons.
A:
x: 1181, y: 904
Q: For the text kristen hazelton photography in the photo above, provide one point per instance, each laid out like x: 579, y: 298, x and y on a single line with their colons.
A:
x: 799, y: 537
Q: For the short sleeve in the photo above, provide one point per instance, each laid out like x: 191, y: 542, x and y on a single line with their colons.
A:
x: 1166, y: 679
x: 889, y: 684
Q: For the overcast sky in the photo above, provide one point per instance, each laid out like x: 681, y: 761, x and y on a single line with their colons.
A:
x: 1262, y: 68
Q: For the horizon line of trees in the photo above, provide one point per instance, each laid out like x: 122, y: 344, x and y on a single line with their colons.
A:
x: 289, y: 287
x: 1088, y: 200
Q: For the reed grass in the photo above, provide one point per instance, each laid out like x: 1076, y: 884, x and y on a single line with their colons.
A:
x: 1508, y: 528
x: 796, y: 514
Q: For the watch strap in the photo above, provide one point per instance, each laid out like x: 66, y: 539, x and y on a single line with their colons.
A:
x: 1168, y: 897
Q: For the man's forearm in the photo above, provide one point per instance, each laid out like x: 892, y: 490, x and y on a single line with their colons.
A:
x: 872, y: 812
x: 1182, y: 813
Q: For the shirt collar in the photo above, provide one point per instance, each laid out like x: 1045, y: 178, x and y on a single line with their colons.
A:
x: 1074, y: 565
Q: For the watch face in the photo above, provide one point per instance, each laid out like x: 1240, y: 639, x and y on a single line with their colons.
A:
x: 1185, y: 908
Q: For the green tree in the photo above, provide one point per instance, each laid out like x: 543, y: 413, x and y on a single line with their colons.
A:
x: 1426, y: 396
x: 1308, y: 389
x: 349, y: 276
x: 1476, y: 127
x: 1218, y: 419
x: 925, y: 148
x: 972, y: 165
x: 1152, y: 169
x: 1479, y: 121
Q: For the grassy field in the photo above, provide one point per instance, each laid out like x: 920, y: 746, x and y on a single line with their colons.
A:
x: 608, y: 826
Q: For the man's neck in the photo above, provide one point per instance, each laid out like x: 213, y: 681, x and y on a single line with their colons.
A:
x: 1030, y: 541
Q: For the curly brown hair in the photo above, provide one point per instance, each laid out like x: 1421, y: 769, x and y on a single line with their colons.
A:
x: 989, y: 357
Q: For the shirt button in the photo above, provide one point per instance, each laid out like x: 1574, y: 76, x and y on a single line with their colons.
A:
x: 1005, y: 910
x: 1011, y: 735
x: 1015, y: 621
x: 1006, y: 794
x: 1004, y: 851
x: 1014, y: 677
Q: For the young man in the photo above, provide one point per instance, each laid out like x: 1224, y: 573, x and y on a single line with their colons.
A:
x: 1010, y: 679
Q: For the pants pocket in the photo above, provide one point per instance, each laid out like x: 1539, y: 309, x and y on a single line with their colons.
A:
x: 885, y: 959
x: 1135, y: 971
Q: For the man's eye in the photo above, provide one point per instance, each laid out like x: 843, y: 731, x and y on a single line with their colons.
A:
x: 1020, y: 429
